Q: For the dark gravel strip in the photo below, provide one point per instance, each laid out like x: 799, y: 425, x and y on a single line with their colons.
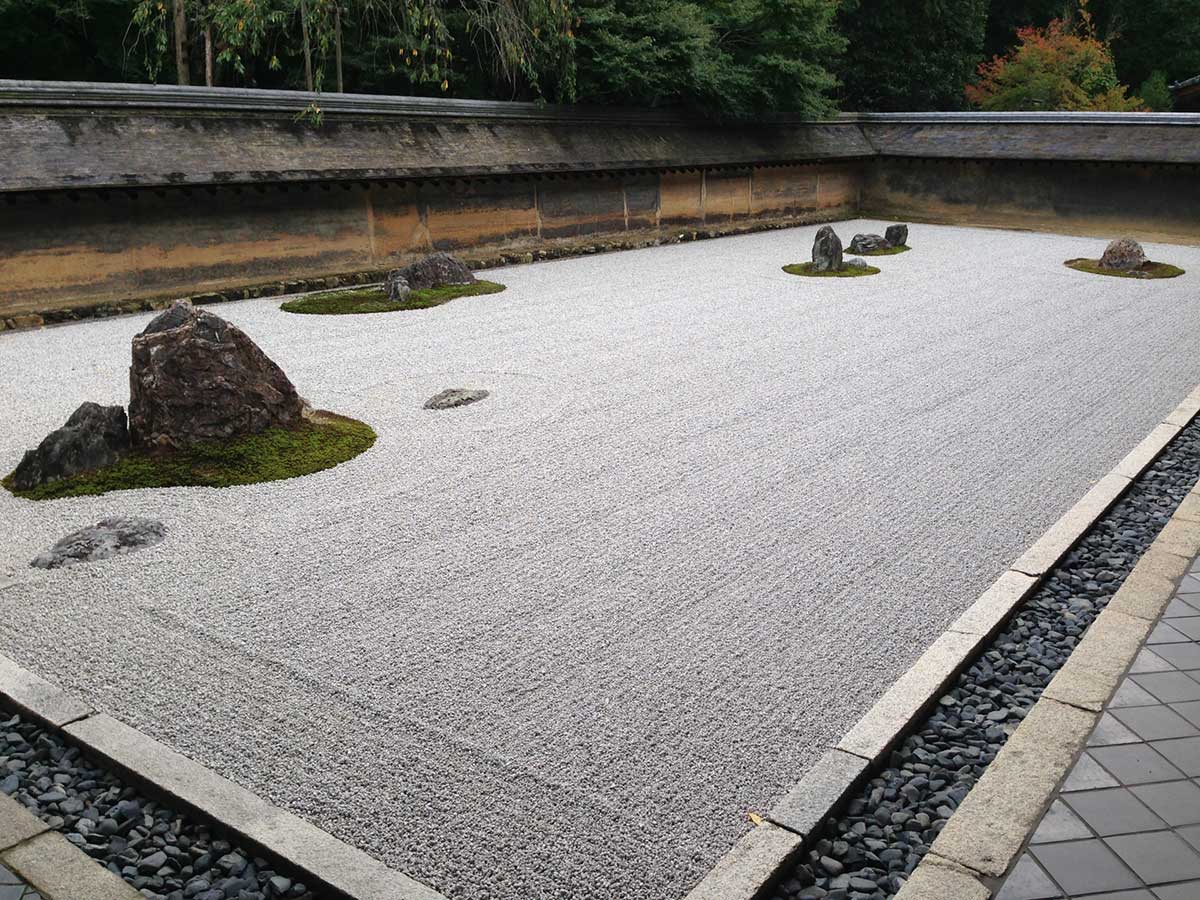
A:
x: 160, y: 851
x: 885, y: 831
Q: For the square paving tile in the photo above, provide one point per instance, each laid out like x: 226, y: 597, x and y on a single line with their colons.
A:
x: 1165, y: 634
x: 1158, y: 857
x: 1189, y: 627
x: 1178, y: 609
x: 1184, y: 753
x: 1148, y: 661
x: 1175, y: 802
x: 1060, y: 824
x: 1027, y: 881
x: 1140, y: 894
x: 1191, y: 834
x: 1114, y: 811
x: 1136, y: 764
x: 1190, y: 711
x: 1188, y: 891
x: 1156, y: 722
x: 1181, y: 656
x: 1130, y: 694
x: 1085, y: 867
x: 1170, y: 687
x: 1190, y: 584
x: 1088, y: 775
x: 1110, y: 731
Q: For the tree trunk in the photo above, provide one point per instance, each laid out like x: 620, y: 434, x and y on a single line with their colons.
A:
x: 337, y: 44
x: 308, y: 75
x: 181, y: 44
x: 208, y: 56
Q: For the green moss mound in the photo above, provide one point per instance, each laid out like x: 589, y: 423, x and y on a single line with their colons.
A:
x: 886, y: 251
x: 374, y: 300
x: 322, y: 442
x: 806, y: 269
x: 1147, y: 270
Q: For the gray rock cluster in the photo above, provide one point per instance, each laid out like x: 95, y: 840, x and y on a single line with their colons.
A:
x: 396, y: 286
x: 884, y: 831
x: 194, y: 378
x: 452, y: 397
x: 93, y: 437
x: 108, y: 537
x: 164, y: 853
x: 1123, y: 255
x: 894, y: 236
x: 434, y: 270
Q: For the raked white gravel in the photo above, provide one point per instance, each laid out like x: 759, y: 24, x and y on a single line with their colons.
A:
x: 555, y: 644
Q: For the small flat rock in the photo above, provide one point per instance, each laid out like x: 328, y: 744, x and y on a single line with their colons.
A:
x: 109, y: 537
x: 452, y: 397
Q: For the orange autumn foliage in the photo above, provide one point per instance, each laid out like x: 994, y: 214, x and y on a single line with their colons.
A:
x: 1059, y: 67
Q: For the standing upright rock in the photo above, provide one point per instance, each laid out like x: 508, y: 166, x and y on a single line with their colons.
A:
x: 827, y: 251
x: 1124, y: 254
x: 196, y: 378
x: 896, y: 235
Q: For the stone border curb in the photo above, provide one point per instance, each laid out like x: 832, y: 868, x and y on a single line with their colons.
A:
x: 988, y: 832
x: 328, y: 863
x: 747, y: 870
x: 52, y: 864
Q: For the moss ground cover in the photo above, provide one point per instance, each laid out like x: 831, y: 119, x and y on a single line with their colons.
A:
x: 322, y: 442
x: 374, y: 300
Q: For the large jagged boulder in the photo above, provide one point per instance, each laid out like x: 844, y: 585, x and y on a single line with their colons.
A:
x: 896, y: 235
x: 93, y: 437
x: 827, y: 251
x: 196, y: 378
x: 867, y: 243
x: 433, y: 271
x: 1124, y: 254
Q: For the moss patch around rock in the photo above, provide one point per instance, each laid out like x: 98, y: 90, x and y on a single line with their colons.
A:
x: 374, y: 300
x: 885, y: 251
x: 1147, y: 270
x: 322, y: 442
x: 806, y: 269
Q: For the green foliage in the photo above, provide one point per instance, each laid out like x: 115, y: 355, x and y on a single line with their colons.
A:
x: 1155, y: 93
x: 273, y: 455
x: 374, y: 300
x: 1148, y: 269
x: 725, y: 58
x: 1060, y: 67
x: 1151, y: 35
x: 909, y: 56
x: 806, y: 269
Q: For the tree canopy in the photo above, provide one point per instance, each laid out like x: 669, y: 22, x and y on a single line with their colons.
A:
x: 728, y: 59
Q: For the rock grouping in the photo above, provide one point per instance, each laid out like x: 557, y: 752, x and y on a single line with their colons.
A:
x: 434, y: 270
x: 194, y: 378
x: 94, y: 436
x: 1123, y: 255
x: 162, y: 852
x: 197, y: 378
x: 894, y: 236
x: 878, y: 839
x: 108, y: 537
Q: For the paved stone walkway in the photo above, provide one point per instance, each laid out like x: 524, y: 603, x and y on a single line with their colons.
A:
x: 1126, y: 823
x: 13, y: 888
